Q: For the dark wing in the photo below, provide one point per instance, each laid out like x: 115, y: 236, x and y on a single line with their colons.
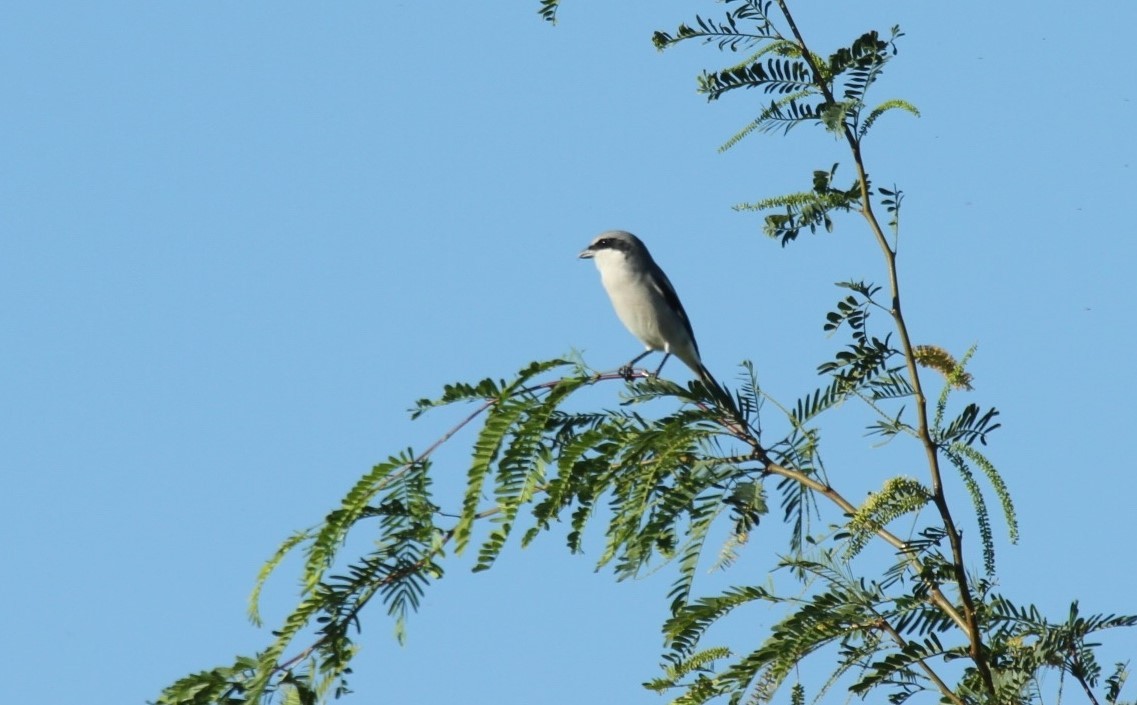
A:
x: 662, y: 284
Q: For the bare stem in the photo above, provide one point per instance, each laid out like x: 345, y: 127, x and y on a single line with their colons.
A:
x: 955, y: 538
x: 935, y: 594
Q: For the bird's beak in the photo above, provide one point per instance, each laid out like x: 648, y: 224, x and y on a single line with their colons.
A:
x: 586, y: 254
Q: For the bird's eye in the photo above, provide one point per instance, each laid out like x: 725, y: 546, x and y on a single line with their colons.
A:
x: 606, y: 242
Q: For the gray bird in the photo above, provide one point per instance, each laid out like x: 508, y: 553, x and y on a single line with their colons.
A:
x: 644, y: 300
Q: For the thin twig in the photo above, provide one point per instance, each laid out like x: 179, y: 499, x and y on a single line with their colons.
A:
x: 928, y: 671
x: 1076, y: 671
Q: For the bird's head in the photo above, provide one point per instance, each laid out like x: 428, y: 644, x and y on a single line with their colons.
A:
x: 614, y: 244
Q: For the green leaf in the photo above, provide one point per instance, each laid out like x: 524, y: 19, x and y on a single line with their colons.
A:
x: 774, y: 75
x: 269, y: 567
x: 726, y: 35
x: 893, y: 104
x: 548, y: 10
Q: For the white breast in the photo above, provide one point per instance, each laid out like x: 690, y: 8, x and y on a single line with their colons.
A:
x: 635, y: 300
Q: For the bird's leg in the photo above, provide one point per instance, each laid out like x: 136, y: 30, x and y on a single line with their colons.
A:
x: 658, y: 369
x: 626, y: 370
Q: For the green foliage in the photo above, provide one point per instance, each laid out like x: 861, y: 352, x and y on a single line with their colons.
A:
x: 899, y: 496
x: 223, y: 685
x: 682, y: 476
x: 956, y: 440
x: 1024, y: 643
x: 1115, y: 682
x: 548, y: 10
x: 810, y: 85
x: 811, y: 209
x: 892, y: 104
x: 773, y: 75
x: 727, y: 34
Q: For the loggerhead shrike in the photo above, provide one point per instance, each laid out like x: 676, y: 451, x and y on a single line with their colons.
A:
x: 644, y: 300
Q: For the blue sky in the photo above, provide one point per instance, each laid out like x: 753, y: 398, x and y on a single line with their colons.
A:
x: 238, y: 240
